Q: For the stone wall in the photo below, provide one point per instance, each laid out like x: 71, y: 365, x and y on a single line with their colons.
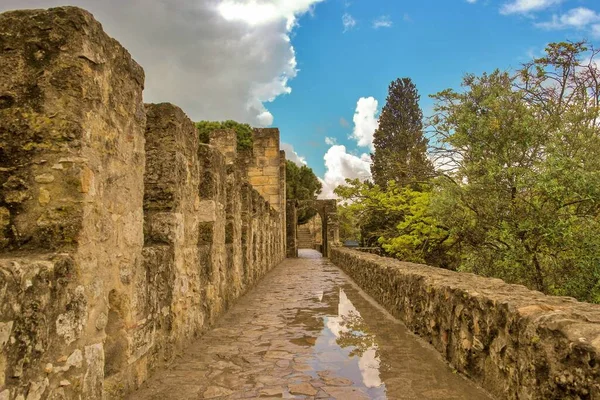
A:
x: 291, y: 228
x: 516, y: 343
x: 329, y: 230
x: 121, y: 238
x: 315, y: 225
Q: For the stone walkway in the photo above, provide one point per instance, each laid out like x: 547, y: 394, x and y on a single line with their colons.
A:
x: 306, y: 331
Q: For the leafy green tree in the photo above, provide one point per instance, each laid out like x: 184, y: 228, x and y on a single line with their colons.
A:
x: 349, y: 224
x: 243, y: 131
x: 521, y: 195
x: 302, y: 184
x: 400, y: 146
x: 416, y: 235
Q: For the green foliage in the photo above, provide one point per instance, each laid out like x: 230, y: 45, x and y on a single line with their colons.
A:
x: 349, y: 224
x: 399, y: 219
x: 302, y: 184
x: 518, y: 189
x: 523, y: 197
x: 400, y: 147
x: 244, y: 132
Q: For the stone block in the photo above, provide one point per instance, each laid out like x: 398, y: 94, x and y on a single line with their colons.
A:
x: 271, y: 190
x: 257, y: 181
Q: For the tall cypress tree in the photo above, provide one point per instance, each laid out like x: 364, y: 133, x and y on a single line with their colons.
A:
x: 400, y: 146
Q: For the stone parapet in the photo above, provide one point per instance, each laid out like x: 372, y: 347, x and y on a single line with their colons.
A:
x: 514, y: 342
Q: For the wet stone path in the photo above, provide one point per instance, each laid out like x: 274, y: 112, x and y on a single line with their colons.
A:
x: 307, y: 332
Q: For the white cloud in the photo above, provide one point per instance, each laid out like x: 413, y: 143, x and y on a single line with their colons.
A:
x: 365, y: 121
x: 472, y: 1
x: 259, y: 13
x: 527, y: 6
x: 290, y: 154
x: 330, y: 141
x: 596, y: 30
x: 216, y: 59
x: 579, y: 18
x: 348, y: 22
x: 341, y: 165
x: 382, y: 22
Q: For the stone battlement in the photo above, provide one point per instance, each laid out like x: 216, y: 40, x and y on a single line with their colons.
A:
x: 514, y: 342
x: 121, y: 237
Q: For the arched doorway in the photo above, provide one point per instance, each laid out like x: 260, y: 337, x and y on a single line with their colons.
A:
x: 329, y: 233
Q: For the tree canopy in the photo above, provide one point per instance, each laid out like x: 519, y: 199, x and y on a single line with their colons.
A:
x: 400, y: 146
x: 517, y: 191
x: 302, y: 184
x: 244, y: 132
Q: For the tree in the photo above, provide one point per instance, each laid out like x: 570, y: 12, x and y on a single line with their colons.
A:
x: 302, y: 184
x: 400, y: 147
x: 243, y: 131
x: 522, y: 199
x: 349, y: 224
x: 415, y: 235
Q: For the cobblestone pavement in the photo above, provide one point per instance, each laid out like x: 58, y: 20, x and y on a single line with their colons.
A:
x: 306, y: 331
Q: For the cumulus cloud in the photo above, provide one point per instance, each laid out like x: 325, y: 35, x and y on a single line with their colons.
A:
x: 291, y: 155
x: 365, y: 121
x: 216, y: 59
x: 259, y: 13
x: 341, y: 165
x: 527, y: 6
x: 382, y: 22
x: 348, y: 21
x: 578, y: 18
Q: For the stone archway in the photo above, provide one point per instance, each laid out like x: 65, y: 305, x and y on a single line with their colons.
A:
x: 327, y: 210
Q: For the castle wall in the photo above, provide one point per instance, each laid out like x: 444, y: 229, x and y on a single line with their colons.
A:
x: 122, y: 238
x: 71, y: 190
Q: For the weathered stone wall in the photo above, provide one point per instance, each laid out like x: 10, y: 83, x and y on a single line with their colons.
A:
x: 291, y: 228
x: 315, y: 225
x: 71, y: 189
x: 264, y: 173
x: 329, y: 230
x: 516, y: 343
x: 121, y: 237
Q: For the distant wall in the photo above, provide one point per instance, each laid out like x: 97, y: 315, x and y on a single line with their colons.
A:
x: 516, y: 343
x: 328, y: 232
x: 121, y: 237
x: 315, y: 225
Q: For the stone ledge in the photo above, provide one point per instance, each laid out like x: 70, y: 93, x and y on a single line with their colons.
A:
x: 514, y: 342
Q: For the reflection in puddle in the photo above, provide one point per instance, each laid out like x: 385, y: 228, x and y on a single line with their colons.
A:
x: 346, y: 346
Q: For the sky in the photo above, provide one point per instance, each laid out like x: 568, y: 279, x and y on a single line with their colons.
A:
x: 319, y: 70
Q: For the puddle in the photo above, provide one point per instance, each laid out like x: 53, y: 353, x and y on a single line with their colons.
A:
x: 361, y: 343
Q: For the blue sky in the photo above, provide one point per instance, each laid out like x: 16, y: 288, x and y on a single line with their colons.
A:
x: 319, y: 69
x: 433, y: 42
